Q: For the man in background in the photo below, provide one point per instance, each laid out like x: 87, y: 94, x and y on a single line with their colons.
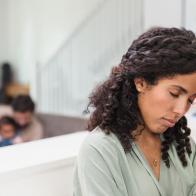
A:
x: 22, y: 109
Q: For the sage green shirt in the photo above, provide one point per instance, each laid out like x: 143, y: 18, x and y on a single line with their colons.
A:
x: 104, y: 169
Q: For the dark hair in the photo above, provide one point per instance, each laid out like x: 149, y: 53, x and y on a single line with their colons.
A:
x: 23, y: 103
x: 7, y: 75
x: 6, y: 79
x: 158, y: 53
x: 7, y: 120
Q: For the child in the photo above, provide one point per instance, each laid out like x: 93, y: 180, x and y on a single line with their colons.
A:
x: 8, y: 131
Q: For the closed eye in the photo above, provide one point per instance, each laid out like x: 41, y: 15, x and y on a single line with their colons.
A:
x: 174, y: 95
x: 177, y: 95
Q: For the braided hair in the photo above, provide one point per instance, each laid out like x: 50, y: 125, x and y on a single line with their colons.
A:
x: 158, y: 53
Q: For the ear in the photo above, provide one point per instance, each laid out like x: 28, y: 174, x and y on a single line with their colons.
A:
x: 140, y: 84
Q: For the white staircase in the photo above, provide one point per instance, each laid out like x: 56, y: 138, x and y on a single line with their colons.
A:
x: 65, y: 82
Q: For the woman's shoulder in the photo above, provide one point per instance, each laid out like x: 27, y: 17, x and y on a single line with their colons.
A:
x: 98, y: 135
x: 193, y: 148
x: 102, y: 143
x: 98, y: 138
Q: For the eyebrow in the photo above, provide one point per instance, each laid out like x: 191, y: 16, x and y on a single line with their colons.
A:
x: 182, y: 89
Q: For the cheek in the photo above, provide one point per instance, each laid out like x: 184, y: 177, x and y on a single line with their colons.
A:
x: 154, y: 104
x: 160, y: 101
x: 153, y: 107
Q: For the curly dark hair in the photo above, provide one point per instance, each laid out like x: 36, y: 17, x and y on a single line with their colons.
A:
x: 158, y: 53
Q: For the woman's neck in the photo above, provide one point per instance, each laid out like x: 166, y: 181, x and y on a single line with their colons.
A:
x: 147, y: 137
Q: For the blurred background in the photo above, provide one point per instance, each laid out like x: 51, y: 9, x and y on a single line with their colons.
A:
x: 58, y: 50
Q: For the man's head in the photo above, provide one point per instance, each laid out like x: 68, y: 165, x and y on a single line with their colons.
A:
x: 23, y: 108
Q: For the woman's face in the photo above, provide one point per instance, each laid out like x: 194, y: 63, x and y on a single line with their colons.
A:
x: 163, y: 104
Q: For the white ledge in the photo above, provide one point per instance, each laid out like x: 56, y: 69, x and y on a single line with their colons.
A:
x: 40, y: 152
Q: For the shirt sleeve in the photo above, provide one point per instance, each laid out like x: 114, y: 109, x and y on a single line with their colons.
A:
x: 92, y: 176
x: 33, y: 132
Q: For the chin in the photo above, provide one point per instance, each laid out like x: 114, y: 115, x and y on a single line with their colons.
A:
x: 158, y: 130
x: 162, y: 129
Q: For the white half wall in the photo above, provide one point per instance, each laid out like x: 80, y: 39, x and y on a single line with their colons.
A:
x: 40, y: 168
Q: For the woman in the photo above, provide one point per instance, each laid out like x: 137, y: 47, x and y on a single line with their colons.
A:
x: 140, y: 144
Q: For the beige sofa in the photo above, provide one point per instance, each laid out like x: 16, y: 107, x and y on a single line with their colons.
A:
x: 55, y: 125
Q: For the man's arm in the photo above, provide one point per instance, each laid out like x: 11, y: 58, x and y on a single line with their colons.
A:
x: 33, y: 132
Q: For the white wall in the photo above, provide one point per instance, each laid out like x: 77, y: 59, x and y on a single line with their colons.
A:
x: 165, y: 13
x: 3, y: 31
x: 31, y: 31
x: 56, y: 20
x: 88, y: 57
x: 191, y: 15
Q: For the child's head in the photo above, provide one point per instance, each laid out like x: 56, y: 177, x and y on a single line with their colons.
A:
x: 7, y: 127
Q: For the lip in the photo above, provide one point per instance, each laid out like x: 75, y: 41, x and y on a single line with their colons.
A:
x: 168, y: 122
